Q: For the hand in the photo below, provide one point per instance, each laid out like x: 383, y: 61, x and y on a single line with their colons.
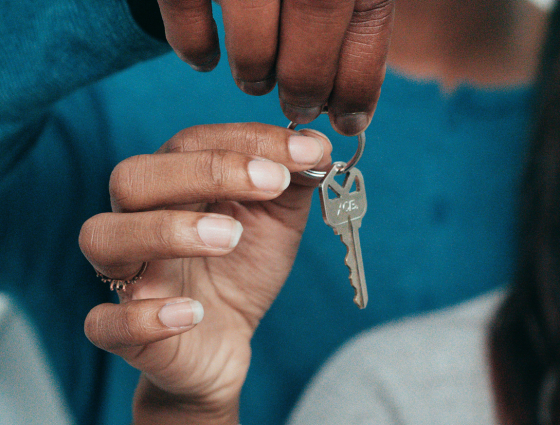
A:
x: 181, y: 210
x: 328, y: 51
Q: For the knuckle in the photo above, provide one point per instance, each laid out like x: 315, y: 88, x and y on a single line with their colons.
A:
x: 255, y: 5
x: 199, y: 137
x: 115, y: 328
x: 137, y: 324
x: 123, y: 184
x: 214, y: 166
x: 322, y: 10
x: 129, y: 328
x: 179, y: 142
x: 167, y: 231
x: 257, y: 139
x: 373, y: 13
x: 190, y: 139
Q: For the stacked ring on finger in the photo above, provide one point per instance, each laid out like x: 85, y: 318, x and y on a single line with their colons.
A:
x: 120, y: 284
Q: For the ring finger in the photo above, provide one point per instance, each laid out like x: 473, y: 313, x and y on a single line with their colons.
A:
x: 154, y: 235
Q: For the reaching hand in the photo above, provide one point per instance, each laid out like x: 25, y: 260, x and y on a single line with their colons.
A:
x: 181, y: 210
x: 319, y: 52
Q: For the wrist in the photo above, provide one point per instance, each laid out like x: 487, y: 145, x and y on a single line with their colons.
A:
x: 153, y: 405
x: 148, y: 17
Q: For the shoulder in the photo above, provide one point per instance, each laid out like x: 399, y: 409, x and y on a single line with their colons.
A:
x: 430, y: 369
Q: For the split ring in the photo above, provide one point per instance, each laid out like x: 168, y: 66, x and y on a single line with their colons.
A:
x: 318, y: 175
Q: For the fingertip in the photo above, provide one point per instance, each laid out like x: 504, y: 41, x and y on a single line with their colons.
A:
x: 325, y: 141
x: 299, y: 114
x: 326, y: 159
x: 304, y: 149
x: 192, y: 32
x: 351, y: 124
x: 257, y: 88
x: 236, y: 234
x: 208, y: 64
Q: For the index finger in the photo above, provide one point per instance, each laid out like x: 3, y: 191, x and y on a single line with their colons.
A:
x: 311, y: 37
x: 191, y: 30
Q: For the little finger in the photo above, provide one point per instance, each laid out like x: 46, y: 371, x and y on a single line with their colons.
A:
x: 191, y: 31
x: 123, y: 329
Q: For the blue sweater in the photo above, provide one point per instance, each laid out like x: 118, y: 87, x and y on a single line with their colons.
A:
x: 441, y: 172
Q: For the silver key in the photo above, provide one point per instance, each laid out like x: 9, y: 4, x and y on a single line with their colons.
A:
x: 344, y: 214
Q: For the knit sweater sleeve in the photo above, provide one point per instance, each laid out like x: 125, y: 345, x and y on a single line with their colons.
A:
x: 51, y: 48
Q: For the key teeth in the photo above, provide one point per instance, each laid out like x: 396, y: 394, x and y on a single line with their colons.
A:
x: 360, y: 299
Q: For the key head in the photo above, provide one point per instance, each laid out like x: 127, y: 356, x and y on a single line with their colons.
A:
x: 344, y: 205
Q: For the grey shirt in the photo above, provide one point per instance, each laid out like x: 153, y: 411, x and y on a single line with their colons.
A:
x: 429, y: 370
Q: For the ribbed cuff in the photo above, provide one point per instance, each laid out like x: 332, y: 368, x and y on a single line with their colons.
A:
x: 147, y: 15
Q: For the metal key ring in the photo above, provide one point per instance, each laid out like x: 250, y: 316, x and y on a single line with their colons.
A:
x: 318, y: 175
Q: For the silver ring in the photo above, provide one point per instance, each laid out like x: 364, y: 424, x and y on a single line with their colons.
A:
x: 318, y: 175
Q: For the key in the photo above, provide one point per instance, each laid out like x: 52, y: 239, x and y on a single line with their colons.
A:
x: 344, y: 214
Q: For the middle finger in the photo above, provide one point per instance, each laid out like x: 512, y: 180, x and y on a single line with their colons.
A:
x: 251, y: 29
x: 311, y: 37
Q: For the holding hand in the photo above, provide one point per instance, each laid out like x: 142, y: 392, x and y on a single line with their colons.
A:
x: 182, y: 211
x: 328, y: 51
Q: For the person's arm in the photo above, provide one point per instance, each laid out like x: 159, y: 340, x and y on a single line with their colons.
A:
x: 51, y: 48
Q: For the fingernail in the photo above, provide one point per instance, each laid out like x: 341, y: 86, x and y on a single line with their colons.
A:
x: 305, y: 150
x: 208, y: 64
x: 218, y: 232
x: 181, y: 314
x: 257, y: 88
x: 268, y: 176
x: 300, y: 115
x: 351, y: 124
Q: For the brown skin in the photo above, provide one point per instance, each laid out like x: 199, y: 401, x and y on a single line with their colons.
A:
x: 195, y: 374
x: 318, y: 51
x: 335, y: 51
